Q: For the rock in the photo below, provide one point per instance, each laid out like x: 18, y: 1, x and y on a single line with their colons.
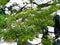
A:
x: 57, y: 41
x: 2, y: 40
x: 15, y: 5
x: 26, y: 1
x: 40, y: 36
x: 19, y: 5
x: 51, y: 32
x: 5, y: 8
x: 58, y: 12
x: 8, y: 12
x: 51, y: 2
x: 8, y: 4
x: 34, y: 6
x: 40, y: 44
x: 16, y: 8
x: 50, y: 29
x: 9, y: 43
x: 29, y: 6
x: 18, y: 2
x: 36, y: 41
x: 51, y: 35
x: 39, y: 2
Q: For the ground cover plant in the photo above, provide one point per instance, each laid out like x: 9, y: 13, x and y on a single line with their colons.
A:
x: 25, y: 25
